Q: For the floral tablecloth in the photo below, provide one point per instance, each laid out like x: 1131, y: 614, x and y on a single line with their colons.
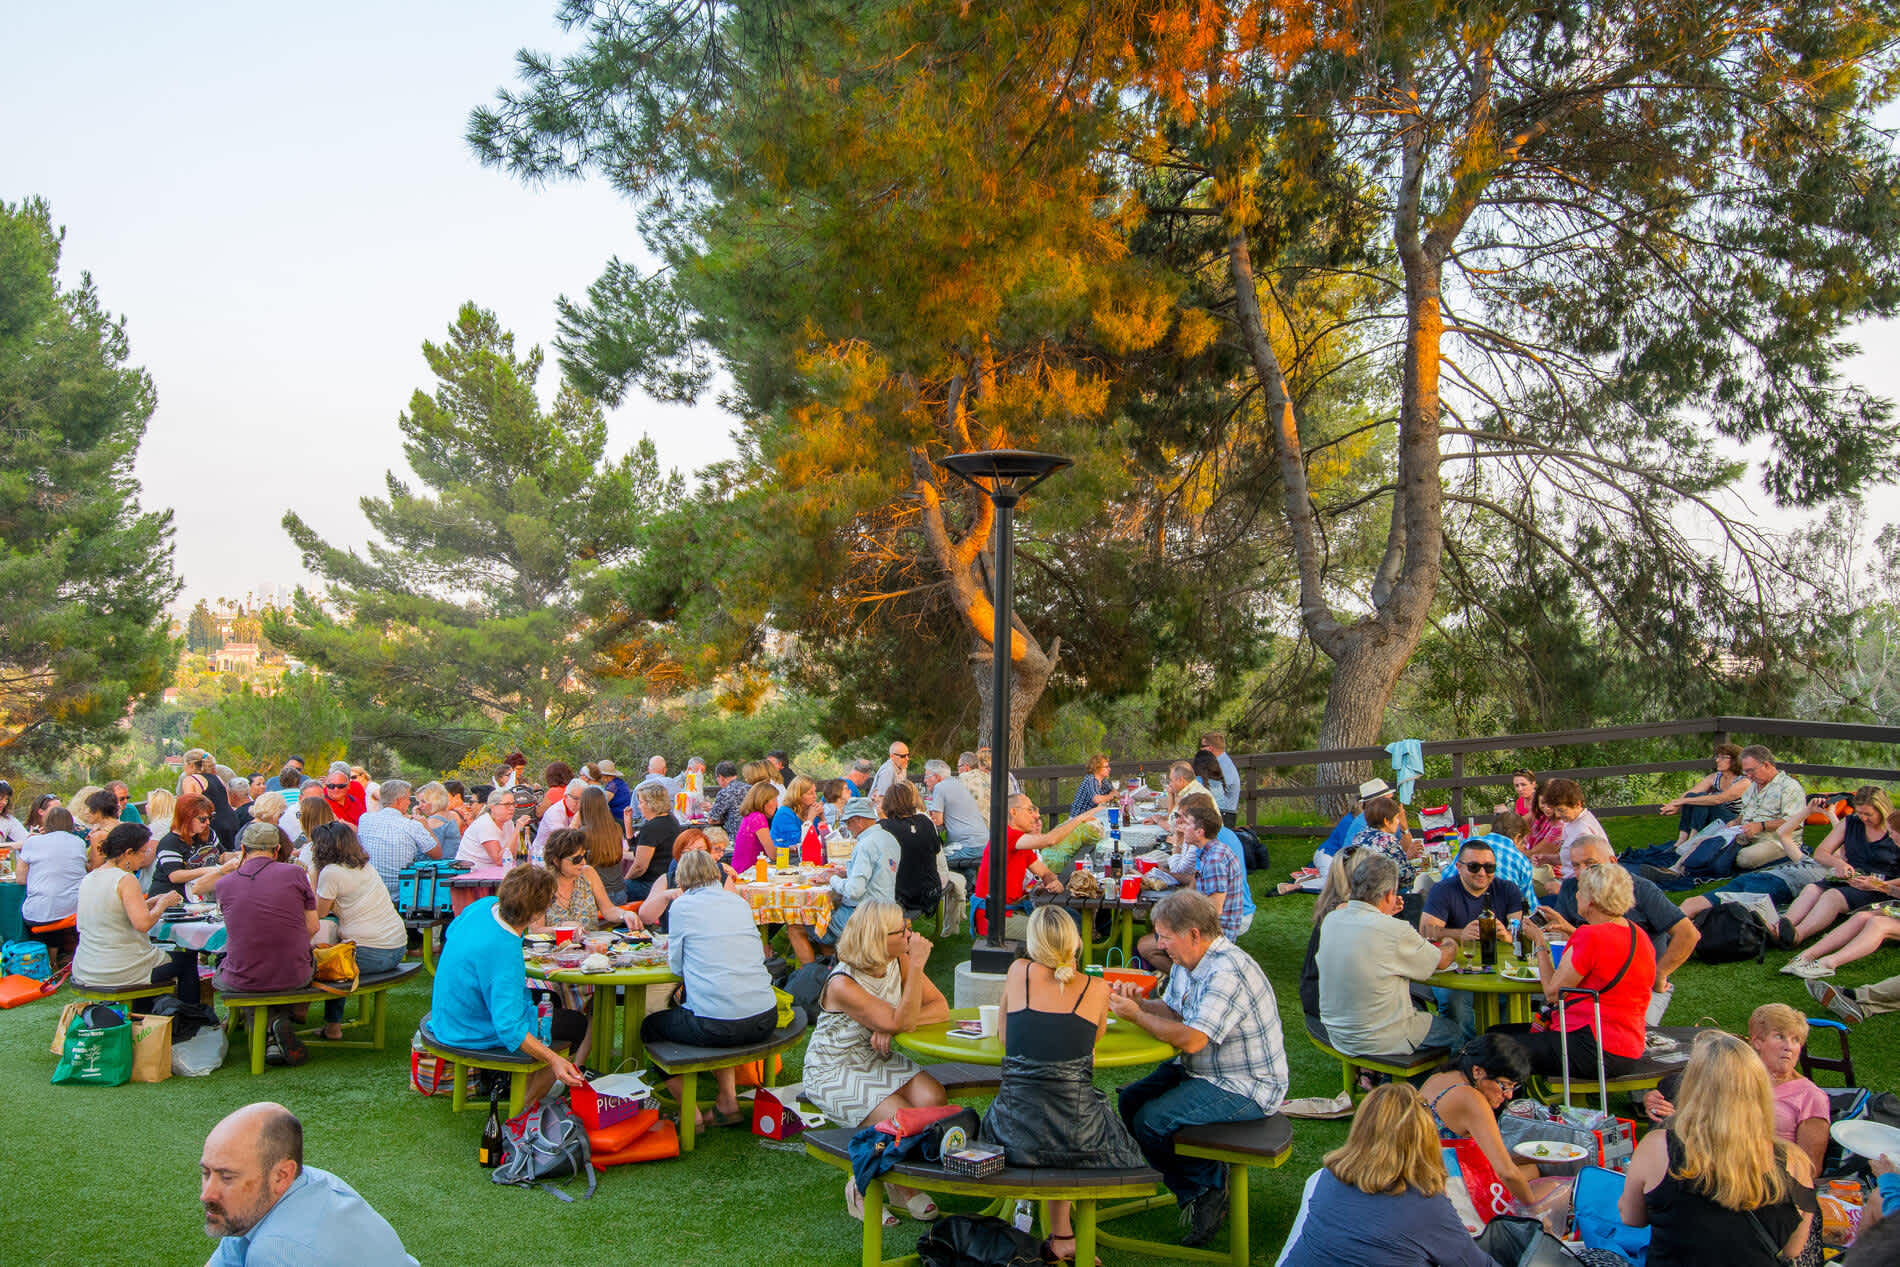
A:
x: 789, y: 900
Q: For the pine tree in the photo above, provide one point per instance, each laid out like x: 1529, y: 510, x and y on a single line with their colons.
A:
x: 84, y: 574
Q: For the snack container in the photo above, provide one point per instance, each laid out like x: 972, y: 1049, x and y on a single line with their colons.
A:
x: 974, y: 1160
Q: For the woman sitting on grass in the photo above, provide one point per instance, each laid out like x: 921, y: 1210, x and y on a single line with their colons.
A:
x: 1863, y: 852
x: 1381, y: 1198
x: 714, y: 948
x: 878, y: 990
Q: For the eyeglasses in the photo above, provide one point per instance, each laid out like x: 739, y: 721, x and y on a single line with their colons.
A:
x: 1506, y: 1085
x: 1480, y: 868
x: 901, y: 756
x: 336, y: 787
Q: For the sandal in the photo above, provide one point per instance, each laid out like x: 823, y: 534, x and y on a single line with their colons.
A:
x: 919, y: 1206
x: 854, y: 1204
x: 1051, y: 1254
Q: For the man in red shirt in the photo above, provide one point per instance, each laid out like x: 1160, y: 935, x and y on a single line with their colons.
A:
x: 1021, y: 859
x: 344, y: 793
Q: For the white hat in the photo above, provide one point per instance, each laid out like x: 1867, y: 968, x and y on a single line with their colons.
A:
x: 1374, y: 787
x: 607, y: 768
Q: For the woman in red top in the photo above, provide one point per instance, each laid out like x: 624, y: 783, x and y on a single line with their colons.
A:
x: 1608, y: 954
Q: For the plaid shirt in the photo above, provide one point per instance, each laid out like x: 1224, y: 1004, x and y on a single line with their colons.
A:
x: 1512, y: 866
x: 725, y: 806
x: 393, y: 840
x: 1228, y: 998
x: 1781, y: 799
x: 1218, y: 871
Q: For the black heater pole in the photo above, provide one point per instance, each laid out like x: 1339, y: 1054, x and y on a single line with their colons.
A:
x: 1003, y: 476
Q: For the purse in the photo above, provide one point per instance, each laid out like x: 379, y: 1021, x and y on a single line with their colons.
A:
x: 336, y: 964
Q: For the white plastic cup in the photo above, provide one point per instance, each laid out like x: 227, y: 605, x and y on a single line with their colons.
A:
x: 986, y: 1018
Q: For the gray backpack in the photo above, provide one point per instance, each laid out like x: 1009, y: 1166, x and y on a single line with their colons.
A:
x: 552, y: 1145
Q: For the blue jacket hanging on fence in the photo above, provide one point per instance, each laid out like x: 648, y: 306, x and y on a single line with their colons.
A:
x: 1408, y: 766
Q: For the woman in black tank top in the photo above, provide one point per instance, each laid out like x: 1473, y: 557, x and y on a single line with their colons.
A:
x: 1048, y: 1111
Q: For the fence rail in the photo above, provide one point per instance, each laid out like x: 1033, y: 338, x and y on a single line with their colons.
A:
x: 1046, y: 782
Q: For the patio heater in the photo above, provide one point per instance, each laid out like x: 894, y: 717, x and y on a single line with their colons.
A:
x: 1003, y: 476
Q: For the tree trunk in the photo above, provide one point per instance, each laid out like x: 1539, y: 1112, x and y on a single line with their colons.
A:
x: 1364, y: 676
x: 1028, y: 676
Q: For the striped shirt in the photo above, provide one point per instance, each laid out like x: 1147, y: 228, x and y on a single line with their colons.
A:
x: 1228, y: 998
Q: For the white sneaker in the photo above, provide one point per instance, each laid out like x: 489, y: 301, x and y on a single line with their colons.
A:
x: 1811, y: 969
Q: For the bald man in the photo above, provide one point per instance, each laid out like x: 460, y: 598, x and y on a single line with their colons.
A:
x: 271, y: 1210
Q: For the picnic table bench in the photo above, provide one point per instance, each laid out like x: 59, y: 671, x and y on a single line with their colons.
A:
x: 373, y: 990
x: 679, y: 1060
x: 461, y: 1059
x: 1043, y: 1183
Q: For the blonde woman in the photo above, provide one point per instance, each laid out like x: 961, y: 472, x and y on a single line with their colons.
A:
x: 1381, y: 1197
x: 436, y: 809
x: 1607, y: 954
x: 158, y: 811
x: 1715, y: 1185
x: 878, y: 989
x: 1048, y: 1111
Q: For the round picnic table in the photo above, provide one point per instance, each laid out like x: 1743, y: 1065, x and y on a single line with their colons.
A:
x: 191, y: 934
x: 1494, y: 992
x: 605, y: 985
x: 1125, y: 1043
x: 789, y: 897
x: 1124, y: 916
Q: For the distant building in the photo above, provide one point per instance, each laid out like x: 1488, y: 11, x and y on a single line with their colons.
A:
x: 235, y: 657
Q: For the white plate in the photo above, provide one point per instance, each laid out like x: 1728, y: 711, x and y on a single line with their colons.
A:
x: 1868, y: 1139
x: 1554, y: 1150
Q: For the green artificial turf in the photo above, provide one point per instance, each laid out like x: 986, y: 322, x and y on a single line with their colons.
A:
x: 109, y: 1176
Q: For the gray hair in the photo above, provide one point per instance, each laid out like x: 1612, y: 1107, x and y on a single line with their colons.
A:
x: 695, y: 763
x: 936, y: 767
x: 1758, y: 753
x: 1188, y: 911
x: 239, y: 785
x: 966, y: 761
x: 258, y: 837
x: 576, y: 786
x: 864, y: 765
x: 393, y: 790
x: 270, y: 806
x: 1592, y: 841
x: 340, y: 767
x: 1373, y: 876
x: 499, y: 795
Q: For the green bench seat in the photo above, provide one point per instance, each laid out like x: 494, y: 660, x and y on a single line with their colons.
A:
x: 462, y: 1059
x: 1239, y: 1146
x: 678, y: 1060
x: 1042, y: 1184
x: 1406, y: 1065
x: 251, y: 1009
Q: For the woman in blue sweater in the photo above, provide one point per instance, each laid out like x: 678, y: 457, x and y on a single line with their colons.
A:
x: 1381, y: 1198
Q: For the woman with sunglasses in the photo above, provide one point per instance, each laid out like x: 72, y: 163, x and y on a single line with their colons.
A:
x: 12, y: 831
x: 189, y: 850
x: 1465, y: 1097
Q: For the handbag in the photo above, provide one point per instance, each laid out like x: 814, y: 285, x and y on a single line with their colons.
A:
x: 336, y: 964
x: 907, y: 1122
x: 98, y: 1049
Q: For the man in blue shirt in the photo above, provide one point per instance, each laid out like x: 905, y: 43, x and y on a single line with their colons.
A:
x: 271, y: 1210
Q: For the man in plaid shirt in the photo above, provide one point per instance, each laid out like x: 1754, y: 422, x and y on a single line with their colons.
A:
x: 1219, y: 1013
x: 1218, y: 874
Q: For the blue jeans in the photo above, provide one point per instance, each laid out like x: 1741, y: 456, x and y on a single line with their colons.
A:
x: 1167, y: 1100
x: 370, y: 961
x: 1457, y: 1010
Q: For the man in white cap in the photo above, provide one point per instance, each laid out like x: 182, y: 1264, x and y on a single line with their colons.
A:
x: 1354, y: 820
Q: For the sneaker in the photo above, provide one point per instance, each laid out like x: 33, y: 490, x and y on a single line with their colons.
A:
x: 283, y: 1038
x: 1811, y: 969
x: 1839, y: 1002
x: 1205, y: 1214
x: 1793, y: 967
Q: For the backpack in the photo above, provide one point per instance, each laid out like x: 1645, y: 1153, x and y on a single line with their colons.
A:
x: 805, y: 985
x: 25, y: 959
x: 977, y: 1240
x: 1730, y: 933
x: 1713, y: 859
x: 546, y: 1142
x: 1253, y: 850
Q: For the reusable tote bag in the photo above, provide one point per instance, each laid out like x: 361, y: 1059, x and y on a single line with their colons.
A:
x: 98, y: 1049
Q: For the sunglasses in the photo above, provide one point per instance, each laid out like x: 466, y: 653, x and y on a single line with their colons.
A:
x: 1480, y: 868
x: 336, y: 787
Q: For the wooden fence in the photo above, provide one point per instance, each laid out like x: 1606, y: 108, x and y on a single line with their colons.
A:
x: 1053, y: 786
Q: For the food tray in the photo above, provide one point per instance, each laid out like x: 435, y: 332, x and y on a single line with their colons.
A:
x: 973, y: 1160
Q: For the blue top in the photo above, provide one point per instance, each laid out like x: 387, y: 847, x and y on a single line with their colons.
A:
x: 1233, y: 844
x: 713, y: 945
x: 481, y: 985
x: 1338, y: 1224
x: 1085, y: 794
x: 619, y: 796
x: 1343, y: 832
x: 320, y: 1221
x: 1452, y: 904
x: 788, y: 830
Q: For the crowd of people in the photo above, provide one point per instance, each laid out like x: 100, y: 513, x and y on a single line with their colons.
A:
x: 1731, y: 1167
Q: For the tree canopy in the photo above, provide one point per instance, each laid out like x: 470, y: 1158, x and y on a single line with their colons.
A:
x: 469, y: 612
x: 84, y: 573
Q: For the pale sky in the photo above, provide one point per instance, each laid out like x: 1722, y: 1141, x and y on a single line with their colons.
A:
x: 281, y: 204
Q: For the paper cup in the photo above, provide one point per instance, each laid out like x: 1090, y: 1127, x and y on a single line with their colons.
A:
x: 986, y: 1017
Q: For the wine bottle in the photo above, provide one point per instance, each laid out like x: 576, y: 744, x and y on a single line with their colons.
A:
x: 489, y: 1154
x: 1488, y: 936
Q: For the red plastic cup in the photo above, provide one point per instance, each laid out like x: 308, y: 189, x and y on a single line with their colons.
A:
x: 1131, y: 887
x: 564, y: 933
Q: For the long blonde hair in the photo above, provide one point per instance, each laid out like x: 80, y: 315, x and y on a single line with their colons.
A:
x: 1334, y: 891
x: 158, y: 810
x: 1054, y: 942
x: 1725, y: 1123
x: 862, y: 944
x: 1392, y: 1145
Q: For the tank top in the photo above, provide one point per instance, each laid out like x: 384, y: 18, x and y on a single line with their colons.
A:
x: 1034, y: 1034
x: 1878, y: 858
x: 1688, y: 1227
x: 580, y: 907
x: 111, y: 951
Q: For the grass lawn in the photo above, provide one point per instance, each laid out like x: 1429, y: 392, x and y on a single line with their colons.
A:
x: 110, y: 1176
